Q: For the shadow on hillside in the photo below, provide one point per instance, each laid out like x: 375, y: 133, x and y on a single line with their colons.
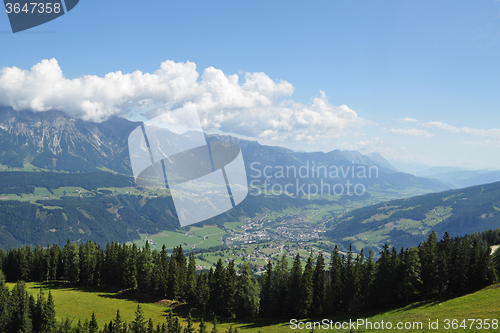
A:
x: 426, y: 303
x: 345, y: 316
x: 59, y: 285
x: 132, y: 295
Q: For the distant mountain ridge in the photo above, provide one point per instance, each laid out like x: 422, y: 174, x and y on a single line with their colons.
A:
x: 52, y: 140
x: 457, y: 178
x: 407, y: 222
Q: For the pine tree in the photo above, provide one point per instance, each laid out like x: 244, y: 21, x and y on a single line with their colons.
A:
x: 150, y: 326
x: 191, y: 280
x: 334, y: 287
x: 93, y: 325
x: 88, y: 263
x: 176, y: 327
x: 178, y: 272
x: 411, y: 274
x: 366, y: 278
x: 4, y: 304
x: 306, y: 289
x: 79, y: 327
x: 21, y: 321
x: 229, y: 290
x: 139, y: 323
x: 428, y: 260
x: 130, y: 267
x: 294, y: 307
x: 350, y: 282
x: 214, y: 327
x: 202, y: 294
x: 117, y: 326
x: 189, y: 328
x: 280, y: 288
x: 144, y: 268
x: 71, y: 259
x: 247, y: 302
x: 319, y: 286
x: 203, y: 327
x: 49, y: 315
x: 37, y: 311
x: 266, y: 292
x: 384, y: 277
x: 55, y: 256
x: 217, y: 289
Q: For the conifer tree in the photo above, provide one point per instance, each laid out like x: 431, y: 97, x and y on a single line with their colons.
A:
x: 176, y: 327
x: 214, y: 325
x: 306, y: 289
x: 144, y: 268
x: 229, y: 290
x: 203, y: 327
x: 295, y: 285
x: 280, y: 288
x: 20, y: 309
x: 411, y: 274
x: 191, y: 280
x: 139, y: 323
x: 319, y: 286
x: 217, y: 287
x: 350, y: 281
x: 117, y: 325
x: 334, y: 287
x: 150, y: 328
x: 247, y: 301
x: 93, y: 325
x: 49, y: 315
x: 266, y: 292
x: 71, y: 259
x: 4, y: 304
x: 189, y: 328
x: 428, y: 260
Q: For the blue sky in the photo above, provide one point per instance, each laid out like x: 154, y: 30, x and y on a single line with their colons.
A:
x: 416, y: 81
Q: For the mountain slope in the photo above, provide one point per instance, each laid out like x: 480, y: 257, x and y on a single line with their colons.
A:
x: 53, y: 141
x: 406, y: 222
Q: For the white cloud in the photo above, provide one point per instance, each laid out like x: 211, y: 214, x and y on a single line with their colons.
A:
x: 443, y: 126
x: 493, y: 133
x: 250, y: 108
x: 408, y: 120
x: 410, y: 132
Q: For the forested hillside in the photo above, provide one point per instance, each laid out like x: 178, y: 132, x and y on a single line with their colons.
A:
x: 349, y: 282
x: 405, y: 222
x: 100, y: 215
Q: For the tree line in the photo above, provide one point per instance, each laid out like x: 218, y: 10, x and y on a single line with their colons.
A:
x: 348, y: 282
x: 21, y: 312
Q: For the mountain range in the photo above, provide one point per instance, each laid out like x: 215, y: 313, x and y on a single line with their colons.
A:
x: 46, y: 151
x: 407, y: 222
x: 53, y: 141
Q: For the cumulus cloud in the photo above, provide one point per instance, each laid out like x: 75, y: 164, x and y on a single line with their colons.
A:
x: 408, y: 120
x: 444, y: 126
x: 410, y: 132
x: 492, y: 133
x: 257, y: 107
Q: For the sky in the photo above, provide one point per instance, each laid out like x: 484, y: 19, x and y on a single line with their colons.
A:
x: 416, y: 81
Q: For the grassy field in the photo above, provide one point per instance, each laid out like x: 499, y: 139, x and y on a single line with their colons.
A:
x: 78, y: 303
x: 199, y: 238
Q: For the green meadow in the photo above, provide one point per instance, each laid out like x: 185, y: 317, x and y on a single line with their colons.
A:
x: 77, y: 303
x: 199, y: 238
